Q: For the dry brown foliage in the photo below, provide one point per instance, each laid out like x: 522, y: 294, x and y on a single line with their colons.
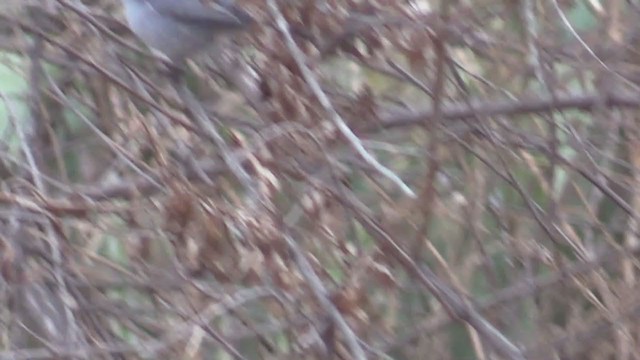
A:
x: 347, y: 179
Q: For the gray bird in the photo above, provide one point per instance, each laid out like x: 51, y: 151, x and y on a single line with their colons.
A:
x: 181, y: 28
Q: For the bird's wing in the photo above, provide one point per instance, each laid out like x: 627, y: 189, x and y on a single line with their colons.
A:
x: 197, y: 14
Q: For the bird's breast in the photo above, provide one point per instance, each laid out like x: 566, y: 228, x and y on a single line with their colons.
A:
x: 171, y: 37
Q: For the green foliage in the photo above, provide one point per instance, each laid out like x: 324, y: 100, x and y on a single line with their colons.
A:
x: 13, y: 92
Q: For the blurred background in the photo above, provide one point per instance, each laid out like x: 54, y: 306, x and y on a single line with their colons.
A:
x: 346, y: 179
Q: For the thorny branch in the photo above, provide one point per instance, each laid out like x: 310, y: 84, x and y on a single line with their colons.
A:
x: 127, y: 214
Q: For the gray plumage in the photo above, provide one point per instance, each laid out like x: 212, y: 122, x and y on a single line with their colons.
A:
x: 180, y: 28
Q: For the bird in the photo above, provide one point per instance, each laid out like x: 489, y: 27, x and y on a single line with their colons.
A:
x: 179, y: 29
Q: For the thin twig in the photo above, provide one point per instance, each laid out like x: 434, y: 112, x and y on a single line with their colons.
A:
x: 321, y: 295
x: 354, y: 141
